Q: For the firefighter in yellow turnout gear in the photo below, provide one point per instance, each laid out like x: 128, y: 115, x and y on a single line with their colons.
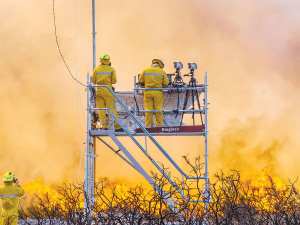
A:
x: 9, y: 198
x: 105, y: 75
x: 154, y: 77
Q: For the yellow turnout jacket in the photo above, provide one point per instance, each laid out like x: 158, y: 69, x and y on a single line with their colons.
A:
x: 9, y: 198
x: 154, y: 77
x: 104, y: 75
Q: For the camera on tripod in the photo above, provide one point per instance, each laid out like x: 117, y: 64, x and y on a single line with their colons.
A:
x: 193, y: 92
x: 178, y: 65
x: 177, y: 79
x: 192, y: 66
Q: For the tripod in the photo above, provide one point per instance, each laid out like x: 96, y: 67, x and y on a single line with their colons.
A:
x: 194, y: 92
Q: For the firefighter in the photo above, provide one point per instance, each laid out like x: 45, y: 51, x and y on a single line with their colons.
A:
x: 154, y: 77
x: 9, y: 197
x: 104, y: 74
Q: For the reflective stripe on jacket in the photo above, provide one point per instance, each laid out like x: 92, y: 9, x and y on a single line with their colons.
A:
x: 104, y: 75
x: 154, y: 77
x: 6, y: 196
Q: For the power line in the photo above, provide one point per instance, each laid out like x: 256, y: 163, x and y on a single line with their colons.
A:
x: 78, y: 90
x: 60, y: 51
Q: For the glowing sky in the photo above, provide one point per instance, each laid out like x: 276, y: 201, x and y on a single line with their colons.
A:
x: 251, y: 51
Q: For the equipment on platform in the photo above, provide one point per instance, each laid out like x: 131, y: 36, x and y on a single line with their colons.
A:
x: 194, y: 92
x: 178, y: 65
x: 192, y: 66
x: 178, y: 81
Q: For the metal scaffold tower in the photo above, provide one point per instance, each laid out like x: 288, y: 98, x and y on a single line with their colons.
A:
x: 136, y: 128
x: 180, y: 100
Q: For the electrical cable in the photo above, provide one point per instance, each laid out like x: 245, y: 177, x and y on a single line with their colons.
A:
x: 60, y: 50
x: 76, y: 3
x: 76, y: 53
x: 78, y: 94
x: 78, y: 90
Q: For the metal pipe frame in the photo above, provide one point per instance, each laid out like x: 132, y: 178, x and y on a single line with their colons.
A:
x: 94, y: 35
x: 206, y: 147
x: 88, y: 171
x: 103, y: 133
x: 171, y: 89
x: 169, y: 111
x: 89, y: 152
x: 175, y: 111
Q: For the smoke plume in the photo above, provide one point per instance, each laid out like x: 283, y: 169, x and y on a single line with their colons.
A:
x: 249, y: 49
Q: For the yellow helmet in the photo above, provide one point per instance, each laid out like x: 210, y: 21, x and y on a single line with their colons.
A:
x: 9, y: 176
x: 105, y: 56
x: 159, y: 61
x: 104, y: 59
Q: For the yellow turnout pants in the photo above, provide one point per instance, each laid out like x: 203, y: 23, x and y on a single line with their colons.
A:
x: 154, y: 101
x: 9, y: 217
x: 104, y: 100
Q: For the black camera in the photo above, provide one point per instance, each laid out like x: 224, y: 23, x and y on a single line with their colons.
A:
x: 15, y: 180
x: 192, y: 66
x: 178, y: 65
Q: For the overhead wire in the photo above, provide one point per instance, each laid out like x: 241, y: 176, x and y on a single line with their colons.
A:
x: 60, y: 50
x: 78, y: 95
x: 78, y: 90
x: 86, y: 66
x: 77, y: 83
x: 84, y: 51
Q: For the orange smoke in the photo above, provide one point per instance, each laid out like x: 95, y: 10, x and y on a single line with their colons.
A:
x: 250, y: 50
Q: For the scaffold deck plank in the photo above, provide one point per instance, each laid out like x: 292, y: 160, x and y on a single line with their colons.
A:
x: 105, y: 133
